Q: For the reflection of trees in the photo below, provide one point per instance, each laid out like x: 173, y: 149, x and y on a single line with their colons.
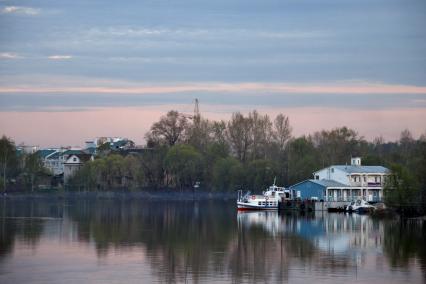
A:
x: 181, y: 238
x: 190, y: 240
x: 23, y: 220
x: 404, y: 241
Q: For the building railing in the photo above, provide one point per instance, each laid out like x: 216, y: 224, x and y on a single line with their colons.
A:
x: 354, y: 198
x: 367, y: 184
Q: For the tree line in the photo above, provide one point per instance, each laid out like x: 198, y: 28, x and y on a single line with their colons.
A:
x: 248, y: 152
x: 20, y: 170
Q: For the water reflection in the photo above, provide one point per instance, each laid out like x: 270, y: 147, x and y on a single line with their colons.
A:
x: 199, y: 241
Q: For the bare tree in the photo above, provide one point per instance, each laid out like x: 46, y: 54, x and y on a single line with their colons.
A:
x: 219, y: 132
x: 239, y: 134
x: 169, y: 130
x: 262, y: 134
x: 282, y: 131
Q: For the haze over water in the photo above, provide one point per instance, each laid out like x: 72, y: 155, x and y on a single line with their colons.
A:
x: 118, y: 240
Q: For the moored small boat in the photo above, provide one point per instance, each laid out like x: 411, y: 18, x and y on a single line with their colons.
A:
x: 268, y: 200
x: 360, y: 206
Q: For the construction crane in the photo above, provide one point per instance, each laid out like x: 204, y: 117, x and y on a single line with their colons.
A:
x: 196, y: 117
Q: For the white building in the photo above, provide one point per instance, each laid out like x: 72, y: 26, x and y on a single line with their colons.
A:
x: 345, y: 183
x: 98, y: 141
x: 73, y: 163
x: 53, y: 162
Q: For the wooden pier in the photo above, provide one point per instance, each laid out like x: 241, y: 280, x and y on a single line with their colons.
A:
x: 311, y: 205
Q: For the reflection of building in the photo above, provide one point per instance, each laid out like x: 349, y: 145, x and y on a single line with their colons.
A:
x: 344, y: 183
x: 328, y: 232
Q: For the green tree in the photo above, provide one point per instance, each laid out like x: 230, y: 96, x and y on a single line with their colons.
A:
x: 8, y: 159
x: 227, y: 173
x: 302, y: 159
x: 261, y: 174
x: 34, y: 168
x: 152, y: 163
x: 183, y: 164
x: 401, y: 188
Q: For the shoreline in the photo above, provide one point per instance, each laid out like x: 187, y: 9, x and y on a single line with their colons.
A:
x: 163, y: 194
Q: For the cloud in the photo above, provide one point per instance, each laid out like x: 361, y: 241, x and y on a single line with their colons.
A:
x: 60, y: 57
x: 359, y: 88
x: 20, y: 10
x: 137, y: 32
x: 9, y: 55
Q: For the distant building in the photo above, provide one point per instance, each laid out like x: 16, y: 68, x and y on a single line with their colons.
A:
x: 27, y: 149
x: 344, y: 183
x: 44, y: 154
x: 98, y: 141
x: 54, y: 163
x: 74, y: 162
x: 108, y: 144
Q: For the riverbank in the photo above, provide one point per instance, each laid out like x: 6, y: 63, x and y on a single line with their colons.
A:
x: 163, y: 194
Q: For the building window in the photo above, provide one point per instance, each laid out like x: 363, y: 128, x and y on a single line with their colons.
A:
x: 332, y: 170
x: 316, y: 176
x: 365, y: 179
x: 74, y: 159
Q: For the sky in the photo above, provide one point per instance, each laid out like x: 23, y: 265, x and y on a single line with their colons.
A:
x: 74, y: 70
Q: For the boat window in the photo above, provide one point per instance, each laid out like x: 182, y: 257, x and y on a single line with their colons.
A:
x: 260, y: 203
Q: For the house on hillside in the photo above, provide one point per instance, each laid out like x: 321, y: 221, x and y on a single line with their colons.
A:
x: 344, y: 183
x: 74, y: 162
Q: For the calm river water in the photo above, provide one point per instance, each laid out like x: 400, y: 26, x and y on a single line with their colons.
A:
x: 138, y: 241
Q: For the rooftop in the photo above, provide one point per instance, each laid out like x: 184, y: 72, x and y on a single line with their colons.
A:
x: 361, y: 169
x: 323, y: 182
x: 328, y: 182
x: 43, y: 153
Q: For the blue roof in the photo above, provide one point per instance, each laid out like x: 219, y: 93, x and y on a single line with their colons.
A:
x: 54, y: 156
x: 90, y: 150
x: 362, y: 169
x: 328, y: 182
x: 45, y: 152
x: 72, y: 152
x: 323, y: 182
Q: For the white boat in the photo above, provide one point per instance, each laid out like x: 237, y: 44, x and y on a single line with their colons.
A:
x: 359, y: 206
x: 268, y: 200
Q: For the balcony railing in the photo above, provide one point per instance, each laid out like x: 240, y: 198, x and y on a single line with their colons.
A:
x: 354, y: 198
x: 367, y: 184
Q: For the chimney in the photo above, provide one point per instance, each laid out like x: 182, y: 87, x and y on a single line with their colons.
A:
x: 356, y: 161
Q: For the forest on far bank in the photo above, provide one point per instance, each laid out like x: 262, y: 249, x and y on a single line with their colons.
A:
x: 246, y: 152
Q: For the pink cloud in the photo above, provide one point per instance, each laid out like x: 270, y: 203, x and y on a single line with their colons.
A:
x: 337, y: 88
